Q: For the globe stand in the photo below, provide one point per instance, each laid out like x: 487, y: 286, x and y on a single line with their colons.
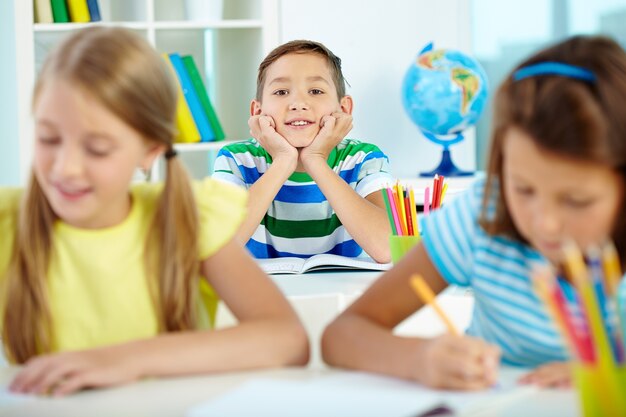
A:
x: 446, y: 167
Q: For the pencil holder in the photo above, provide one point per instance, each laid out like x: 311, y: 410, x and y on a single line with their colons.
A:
x: 601, y: 389
x: 400, y: 245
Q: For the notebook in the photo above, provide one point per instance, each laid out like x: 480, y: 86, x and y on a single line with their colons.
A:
x: 320, y: 262
x: 351, y: 394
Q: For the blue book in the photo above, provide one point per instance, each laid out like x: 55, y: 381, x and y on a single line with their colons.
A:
x: 193, y: 101
x: 94, y: 10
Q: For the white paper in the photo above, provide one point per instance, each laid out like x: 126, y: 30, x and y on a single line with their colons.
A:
x: 345, y: 394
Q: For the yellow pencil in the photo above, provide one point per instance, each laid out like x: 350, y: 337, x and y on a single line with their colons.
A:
x: 416, y: 228
x: 427, y: 295
x: 443, y: 193
x: 612, y: 269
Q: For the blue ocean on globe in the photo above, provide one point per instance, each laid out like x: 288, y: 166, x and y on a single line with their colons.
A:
x: 444, y: 92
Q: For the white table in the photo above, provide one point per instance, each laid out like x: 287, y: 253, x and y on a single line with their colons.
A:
x: 318, y: 297
x: 175, y: 396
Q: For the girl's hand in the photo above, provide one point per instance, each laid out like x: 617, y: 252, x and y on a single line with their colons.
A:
x: 263, y: 129
x: 63, y: 373
x: 461, y: 363
x: 551, y: 375
x: 335, y: 127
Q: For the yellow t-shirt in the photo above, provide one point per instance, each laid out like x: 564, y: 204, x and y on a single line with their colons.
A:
x: 98, y: 291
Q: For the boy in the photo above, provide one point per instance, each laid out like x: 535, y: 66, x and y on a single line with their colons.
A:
x: 311, y: 189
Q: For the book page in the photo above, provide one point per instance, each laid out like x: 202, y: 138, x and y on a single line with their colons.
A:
x: 281, y: 265
x: 330, y: 261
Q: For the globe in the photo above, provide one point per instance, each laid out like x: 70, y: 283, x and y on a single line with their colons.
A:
x: 444, y: 92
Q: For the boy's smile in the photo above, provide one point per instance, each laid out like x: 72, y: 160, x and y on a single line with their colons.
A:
x: 298, y: 92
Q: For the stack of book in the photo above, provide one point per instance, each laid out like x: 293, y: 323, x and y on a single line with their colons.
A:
x: 64, y: 11
x: 196, y: 118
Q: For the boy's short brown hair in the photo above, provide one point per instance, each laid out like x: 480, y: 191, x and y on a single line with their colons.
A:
x: 303, y: 47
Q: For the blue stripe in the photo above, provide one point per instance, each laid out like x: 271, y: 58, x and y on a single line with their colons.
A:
x: 300, y: 194
x: 259, y: 250
x: 509, y: 301
x: 350, y: 175
x: 250, y: 175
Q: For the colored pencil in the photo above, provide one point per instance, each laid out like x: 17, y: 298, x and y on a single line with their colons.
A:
x: 389, y: 212
x: 416, y: 228
x: 394, y: 211
x: 427, y: 295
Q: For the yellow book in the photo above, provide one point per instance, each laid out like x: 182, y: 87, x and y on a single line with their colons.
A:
x: 78, y: 10
x: 187, y: 129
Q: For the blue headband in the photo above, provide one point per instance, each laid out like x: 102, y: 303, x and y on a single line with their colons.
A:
x: 554, y: 68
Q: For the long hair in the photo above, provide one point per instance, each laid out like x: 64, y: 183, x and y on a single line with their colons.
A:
x: 574, y: 118
x: 128, y: 77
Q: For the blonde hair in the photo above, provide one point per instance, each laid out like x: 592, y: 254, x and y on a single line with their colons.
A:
x: 129, y: 78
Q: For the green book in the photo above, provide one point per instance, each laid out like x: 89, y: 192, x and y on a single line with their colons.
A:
x: 59, y: 11
x: 201, y: 92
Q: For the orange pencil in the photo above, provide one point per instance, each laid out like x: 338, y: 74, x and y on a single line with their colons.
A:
x: 401, y: 210
x: 427, y: 295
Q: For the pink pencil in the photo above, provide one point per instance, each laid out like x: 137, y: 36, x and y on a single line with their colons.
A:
x: 394, y: 210
x: 426, y: 201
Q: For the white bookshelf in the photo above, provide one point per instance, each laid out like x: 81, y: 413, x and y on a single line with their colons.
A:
x: 227, y: 52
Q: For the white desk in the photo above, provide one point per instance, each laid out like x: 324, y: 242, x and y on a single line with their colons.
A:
x: 175, y: 396
x: 318, y: 297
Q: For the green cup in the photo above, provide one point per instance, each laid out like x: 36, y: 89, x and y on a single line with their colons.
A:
x: 400, y: 245
x: 601, y: 389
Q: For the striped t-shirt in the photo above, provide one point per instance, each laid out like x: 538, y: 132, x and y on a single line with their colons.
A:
x: 506, y: 312
x: 300, y: 222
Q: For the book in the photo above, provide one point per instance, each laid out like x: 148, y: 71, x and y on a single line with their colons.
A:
x: 43, y: 11
x: 59, y: 11
x: 187, y: 130
x: 78, y: 10
x: 94, y: 10
x: 321, y: 262
x: 200, y: 118
x: 200, y: 88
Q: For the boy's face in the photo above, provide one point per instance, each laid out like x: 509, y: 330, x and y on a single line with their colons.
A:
x: 552, y: 198
x: 298, y: 92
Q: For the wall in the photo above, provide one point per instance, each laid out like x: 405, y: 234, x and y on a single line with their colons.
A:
x: 377, y: 41
x: 9, y: 154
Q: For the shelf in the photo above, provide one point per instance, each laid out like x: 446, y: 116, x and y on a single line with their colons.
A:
x: 61, y: 27
x: 202, y: 146
x: 217, y: 24
x: 173, y: 25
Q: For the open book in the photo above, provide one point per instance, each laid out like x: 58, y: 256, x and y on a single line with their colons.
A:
x: 319, y: 262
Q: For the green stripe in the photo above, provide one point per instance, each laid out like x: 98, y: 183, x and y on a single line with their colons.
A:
x: 300, y: 177
x: 223, y: 170
x: 347, y: 149
x: 301, y: 228
x: 250, y: 147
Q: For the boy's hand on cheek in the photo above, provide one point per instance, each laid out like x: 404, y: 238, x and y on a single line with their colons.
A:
x: 458, y: 362
x: 263, y: 129
x: 335, y: 127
